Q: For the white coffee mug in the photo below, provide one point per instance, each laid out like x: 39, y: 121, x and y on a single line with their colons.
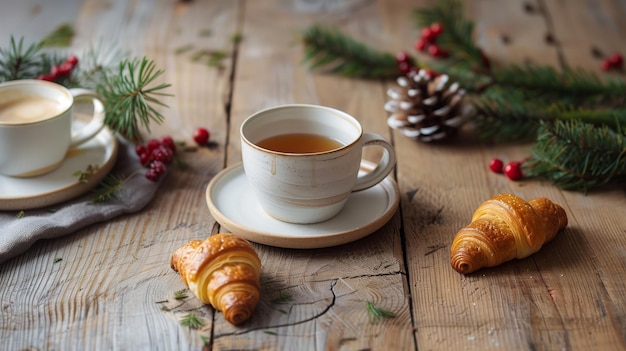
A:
x: 36, y: 125
x: 309, y: 180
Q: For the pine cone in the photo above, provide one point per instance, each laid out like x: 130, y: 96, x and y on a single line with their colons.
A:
x: 426, y: 108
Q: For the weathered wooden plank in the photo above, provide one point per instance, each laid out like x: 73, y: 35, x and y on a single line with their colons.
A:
x: 327, y: 283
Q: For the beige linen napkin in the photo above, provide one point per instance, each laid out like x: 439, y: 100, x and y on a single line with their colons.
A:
x: 18, y: 234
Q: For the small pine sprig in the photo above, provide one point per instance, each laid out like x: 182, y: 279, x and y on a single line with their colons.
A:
x: 281, y: 298
x: 571, y: 85
x: 181, y: 294
x: 338, y: 53
x: 577, y: 155
x: 192, y: 321
x: 83, y: 176
x: 130, y: 94
x: 109, y: 188
x: 457, y: 36
x: 377, y: 313
x: 21, y: 61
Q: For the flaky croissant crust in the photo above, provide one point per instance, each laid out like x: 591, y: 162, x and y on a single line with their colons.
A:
x: 224, y: 271
x: 503, y: 228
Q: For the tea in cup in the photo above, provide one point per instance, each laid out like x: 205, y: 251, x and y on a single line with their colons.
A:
x: 303, y: 161
x: 36, y: 125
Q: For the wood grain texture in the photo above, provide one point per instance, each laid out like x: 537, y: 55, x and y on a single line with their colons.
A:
x: 114, y: 289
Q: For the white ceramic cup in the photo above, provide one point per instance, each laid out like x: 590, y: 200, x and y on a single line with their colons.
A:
x: 36, y: 125
x: 308, y: 187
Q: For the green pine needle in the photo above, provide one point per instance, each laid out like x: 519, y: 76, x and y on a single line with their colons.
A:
x: 576, y: 155
x: 131, y: 95
x: 335, y: 52
x: 192, y: 321
x: 20, y: 61
x: 180, y: 294
x: 281, y: 298
x: 572, y: 86
x: 109, y: 188
x: 377, y: 313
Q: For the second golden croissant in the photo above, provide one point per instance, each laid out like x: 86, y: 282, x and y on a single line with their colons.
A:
x: 503, y: 228
x: 223, y: 271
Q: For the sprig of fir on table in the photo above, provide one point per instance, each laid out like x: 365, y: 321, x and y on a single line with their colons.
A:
x: 577, y: 119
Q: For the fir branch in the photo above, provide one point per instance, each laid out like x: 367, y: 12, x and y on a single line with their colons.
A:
x: 509, y: 115
x: 503, y: 115
x: 338, y: 53
x: 20, y: 61
x: 571, y: 86
x: 95, y: 65
x: 130, y: 97
x: 457, y: 35
x: 576, y: 155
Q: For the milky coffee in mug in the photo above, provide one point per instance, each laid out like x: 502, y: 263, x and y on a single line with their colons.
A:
x: 303, y: 161
x: 36, y: 125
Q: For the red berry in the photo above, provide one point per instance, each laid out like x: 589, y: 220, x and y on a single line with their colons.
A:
x: 513, y: 170
x: 163, y: 154
x: 413, y: 71
x: 140, y: 149
x: 616, y: 61
x: 168, y: 142
x: 152, y: 175
x: 436, y: 29
x: 158, y: 166
x: 152, y: 144
x: 145, y: 158
x: 404, y: 67
x: 72, y: 60
x: 436, y: 51
x: 47, y: 77
x: 402, y: 56
x: 65, y: 69
x: 420, y: 44
x: 496, y: 165
x: 201, y: 136
x: 606, y: 65
x: 427, y: 35
x: 485, y: 60
x: 430, y: 73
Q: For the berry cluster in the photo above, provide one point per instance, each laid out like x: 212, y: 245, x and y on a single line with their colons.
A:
x: 407, y: 67
x: 513, y: 169
x: 155, y: 155
x: 64, y: 69
x: 428, y: 41
x: 615, y: 61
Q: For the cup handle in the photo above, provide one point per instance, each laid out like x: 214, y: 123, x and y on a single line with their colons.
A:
x: 383, y: 168
x: 97, y: 122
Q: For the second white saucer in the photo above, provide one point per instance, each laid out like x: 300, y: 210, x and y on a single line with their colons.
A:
x: 232, y: 204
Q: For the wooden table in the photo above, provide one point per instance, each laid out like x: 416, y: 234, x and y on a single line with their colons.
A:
x: 108, y: 291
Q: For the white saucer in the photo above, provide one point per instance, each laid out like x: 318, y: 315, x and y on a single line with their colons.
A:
x: 232, y: 204
x: 61, y: 185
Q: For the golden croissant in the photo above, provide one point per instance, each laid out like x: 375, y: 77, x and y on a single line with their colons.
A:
x: 223, y: 271
x: 503, y: 228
